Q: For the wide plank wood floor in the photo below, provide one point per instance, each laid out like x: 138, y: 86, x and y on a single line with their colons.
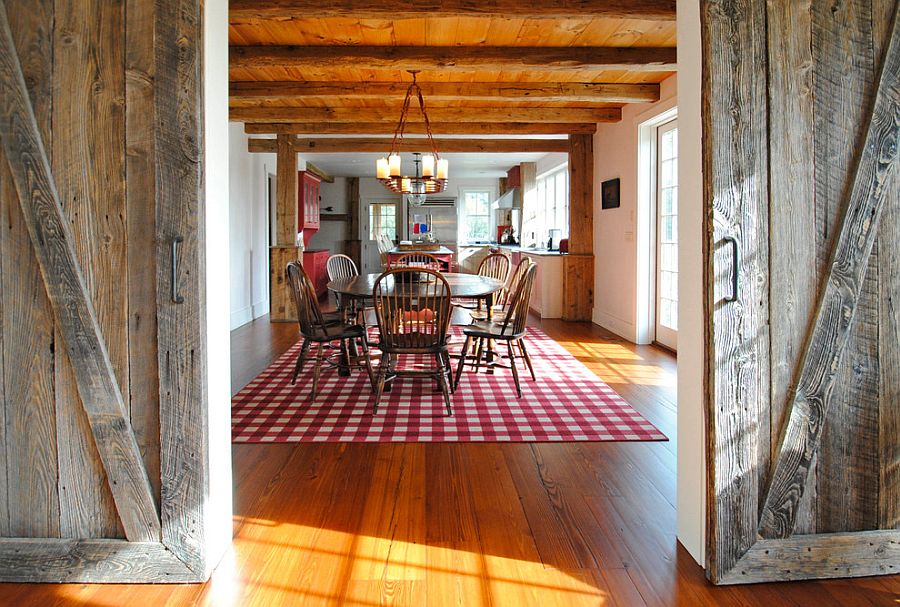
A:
x: 470, y: 524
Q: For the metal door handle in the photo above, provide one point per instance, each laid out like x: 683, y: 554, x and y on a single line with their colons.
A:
x: 735, y: 267
x: 176, y: 298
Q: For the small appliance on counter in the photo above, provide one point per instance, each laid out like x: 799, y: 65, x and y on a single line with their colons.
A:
x: 564, y: 245
x: 553, y: 239
x: 501, y: 230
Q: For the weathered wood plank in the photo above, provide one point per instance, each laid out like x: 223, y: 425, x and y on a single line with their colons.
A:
x: 6, y: 191
x: 837, y: 301
x: 181, y: 328
x: 438, y: 114
x: 792, y: 275
x: 557, y: 9
x: 825, y: 555
x: 847, y: 478
x: 570, y: 92
x: 578, y: 287
x: 30, y: 425
x: 735, y: 166
x: 88, y: 117
x: 438, y: 128
x: 286, y: 192
x: 53, y: 243
x: 27, y: 560
x: 353, y: 244
x: 140, y: 198
x: 318, y: 172
x: 452, y: 58
x: 383, y: 144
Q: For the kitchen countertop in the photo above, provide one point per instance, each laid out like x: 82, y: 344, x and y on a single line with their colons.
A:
x: 515, y: 247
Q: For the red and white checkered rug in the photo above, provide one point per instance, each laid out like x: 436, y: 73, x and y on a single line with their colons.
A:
x: 566, y: 403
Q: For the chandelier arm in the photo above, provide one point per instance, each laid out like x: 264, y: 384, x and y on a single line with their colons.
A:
x: 427, y: 122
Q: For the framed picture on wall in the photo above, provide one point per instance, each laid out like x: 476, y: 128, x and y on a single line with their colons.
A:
x: 609, y: 193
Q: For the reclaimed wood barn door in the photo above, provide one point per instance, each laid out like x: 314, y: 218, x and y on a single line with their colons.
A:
x: 102, y: 445
x: 801, y: 116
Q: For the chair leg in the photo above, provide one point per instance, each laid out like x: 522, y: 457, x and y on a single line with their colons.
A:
x: 382, y: 375
x: 368, y: 361
x: 462, y: 359
x: 512, y: 365
x: 316, y: 371
x: 442, y: 378
x: 448, y: 370
x: 301, y: 358
x: 479, y: 352
x: 527, y: 358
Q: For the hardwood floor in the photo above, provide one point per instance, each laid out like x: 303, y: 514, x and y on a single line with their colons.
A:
x: 471, y: 524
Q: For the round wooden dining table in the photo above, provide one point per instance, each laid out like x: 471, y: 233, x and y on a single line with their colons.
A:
x: 461, y: 285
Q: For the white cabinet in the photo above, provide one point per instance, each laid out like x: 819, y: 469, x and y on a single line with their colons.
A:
x: 547, y: 296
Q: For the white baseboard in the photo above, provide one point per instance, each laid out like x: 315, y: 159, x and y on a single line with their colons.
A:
x: 241, y: 317
x: 260, y: 308
x: 620, y: 327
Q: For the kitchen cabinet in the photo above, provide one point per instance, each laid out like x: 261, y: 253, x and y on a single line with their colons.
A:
x: 315, y: 263
x: 307, y: 203
x: 547, y: 293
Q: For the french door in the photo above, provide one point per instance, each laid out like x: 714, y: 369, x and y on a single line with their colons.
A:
x: 667, y: 235
x: 381, y: 217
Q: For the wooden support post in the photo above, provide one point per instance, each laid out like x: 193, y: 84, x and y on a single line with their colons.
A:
x: 353, y: 245
x: 578, y: 294
x: 286, y: 192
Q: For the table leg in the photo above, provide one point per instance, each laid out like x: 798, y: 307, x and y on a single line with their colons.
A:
x: 489, y: 351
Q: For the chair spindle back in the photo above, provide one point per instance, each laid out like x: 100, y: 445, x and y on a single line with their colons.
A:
x: 422, y: 260
x: 413, y: 315
x: 340, y: 266
x: 517, y: 308
x: 495, y: 265
x: 309, y: 315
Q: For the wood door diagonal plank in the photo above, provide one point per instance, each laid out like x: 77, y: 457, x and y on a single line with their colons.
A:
x: 71, y: 302
x: 837, y: 301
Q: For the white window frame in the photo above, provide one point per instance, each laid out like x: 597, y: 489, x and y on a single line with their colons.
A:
x: 463, y: 216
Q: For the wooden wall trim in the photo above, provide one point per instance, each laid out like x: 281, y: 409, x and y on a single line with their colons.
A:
x: 35, y: 561
x: 71, y: 302
x: 837, y: 301
x: 456, y: 58
x: 826, y: 555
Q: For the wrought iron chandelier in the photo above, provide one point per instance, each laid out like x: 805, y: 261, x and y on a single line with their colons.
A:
x: 431, y: 170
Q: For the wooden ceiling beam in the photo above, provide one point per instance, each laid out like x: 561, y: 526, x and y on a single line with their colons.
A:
x: 576, y: 92
x: 417, y: 9
x: 465, y: 58
x: 373, y: 144
x: 315, y: 170
x: 438, y: 128
x: 443, y: 114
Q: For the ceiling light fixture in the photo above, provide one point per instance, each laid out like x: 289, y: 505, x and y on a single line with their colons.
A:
x: 431, y: 170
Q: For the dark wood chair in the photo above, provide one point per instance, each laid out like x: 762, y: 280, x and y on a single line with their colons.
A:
x: 512, y: 331
x: 495, y: 265
x: 412, y: 306
x: 321, y: 330
x: 505, y: 295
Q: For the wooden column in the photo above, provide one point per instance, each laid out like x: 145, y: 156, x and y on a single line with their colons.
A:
x: 353, y: 245
x: 578, y: 266
x: 285, y: 249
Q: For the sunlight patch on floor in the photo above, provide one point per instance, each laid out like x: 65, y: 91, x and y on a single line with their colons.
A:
x: 287, y: 563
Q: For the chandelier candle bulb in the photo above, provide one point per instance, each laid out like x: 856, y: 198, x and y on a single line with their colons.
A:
x: 427, y: 165
x: 381, y: 168
x: 394, y: 164
x: 404, y: 184
x: 442, y: 168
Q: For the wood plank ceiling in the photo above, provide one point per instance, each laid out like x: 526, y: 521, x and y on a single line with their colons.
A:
x: 499, y: 66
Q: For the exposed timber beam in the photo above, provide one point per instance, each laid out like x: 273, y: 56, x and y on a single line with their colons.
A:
x: 444, y: 58
x: 314, y: 170
x: 574, y: 92
x: 535, y: 9
x: 446, y: 128
x: 375, y: 144
x: 443, y: 114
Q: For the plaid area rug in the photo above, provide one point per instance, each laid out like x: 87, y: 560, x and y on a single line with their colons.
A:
x: 566, y: 403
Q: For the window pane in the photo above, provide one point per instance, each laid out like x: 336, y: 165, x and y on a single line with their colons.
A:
x: 667, y: 173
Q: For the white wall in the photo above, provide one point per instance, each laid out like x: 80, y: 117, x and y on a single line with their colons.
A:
x: 332, y: 234
x: 218, y: 338
x: 248, y: 228
x: 691, y: 504
x: 616, y: 243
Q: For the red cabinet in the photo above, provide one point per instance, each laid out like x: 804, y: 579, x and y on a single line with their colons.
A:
x: 315, y: 262
x: 307, y: 203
